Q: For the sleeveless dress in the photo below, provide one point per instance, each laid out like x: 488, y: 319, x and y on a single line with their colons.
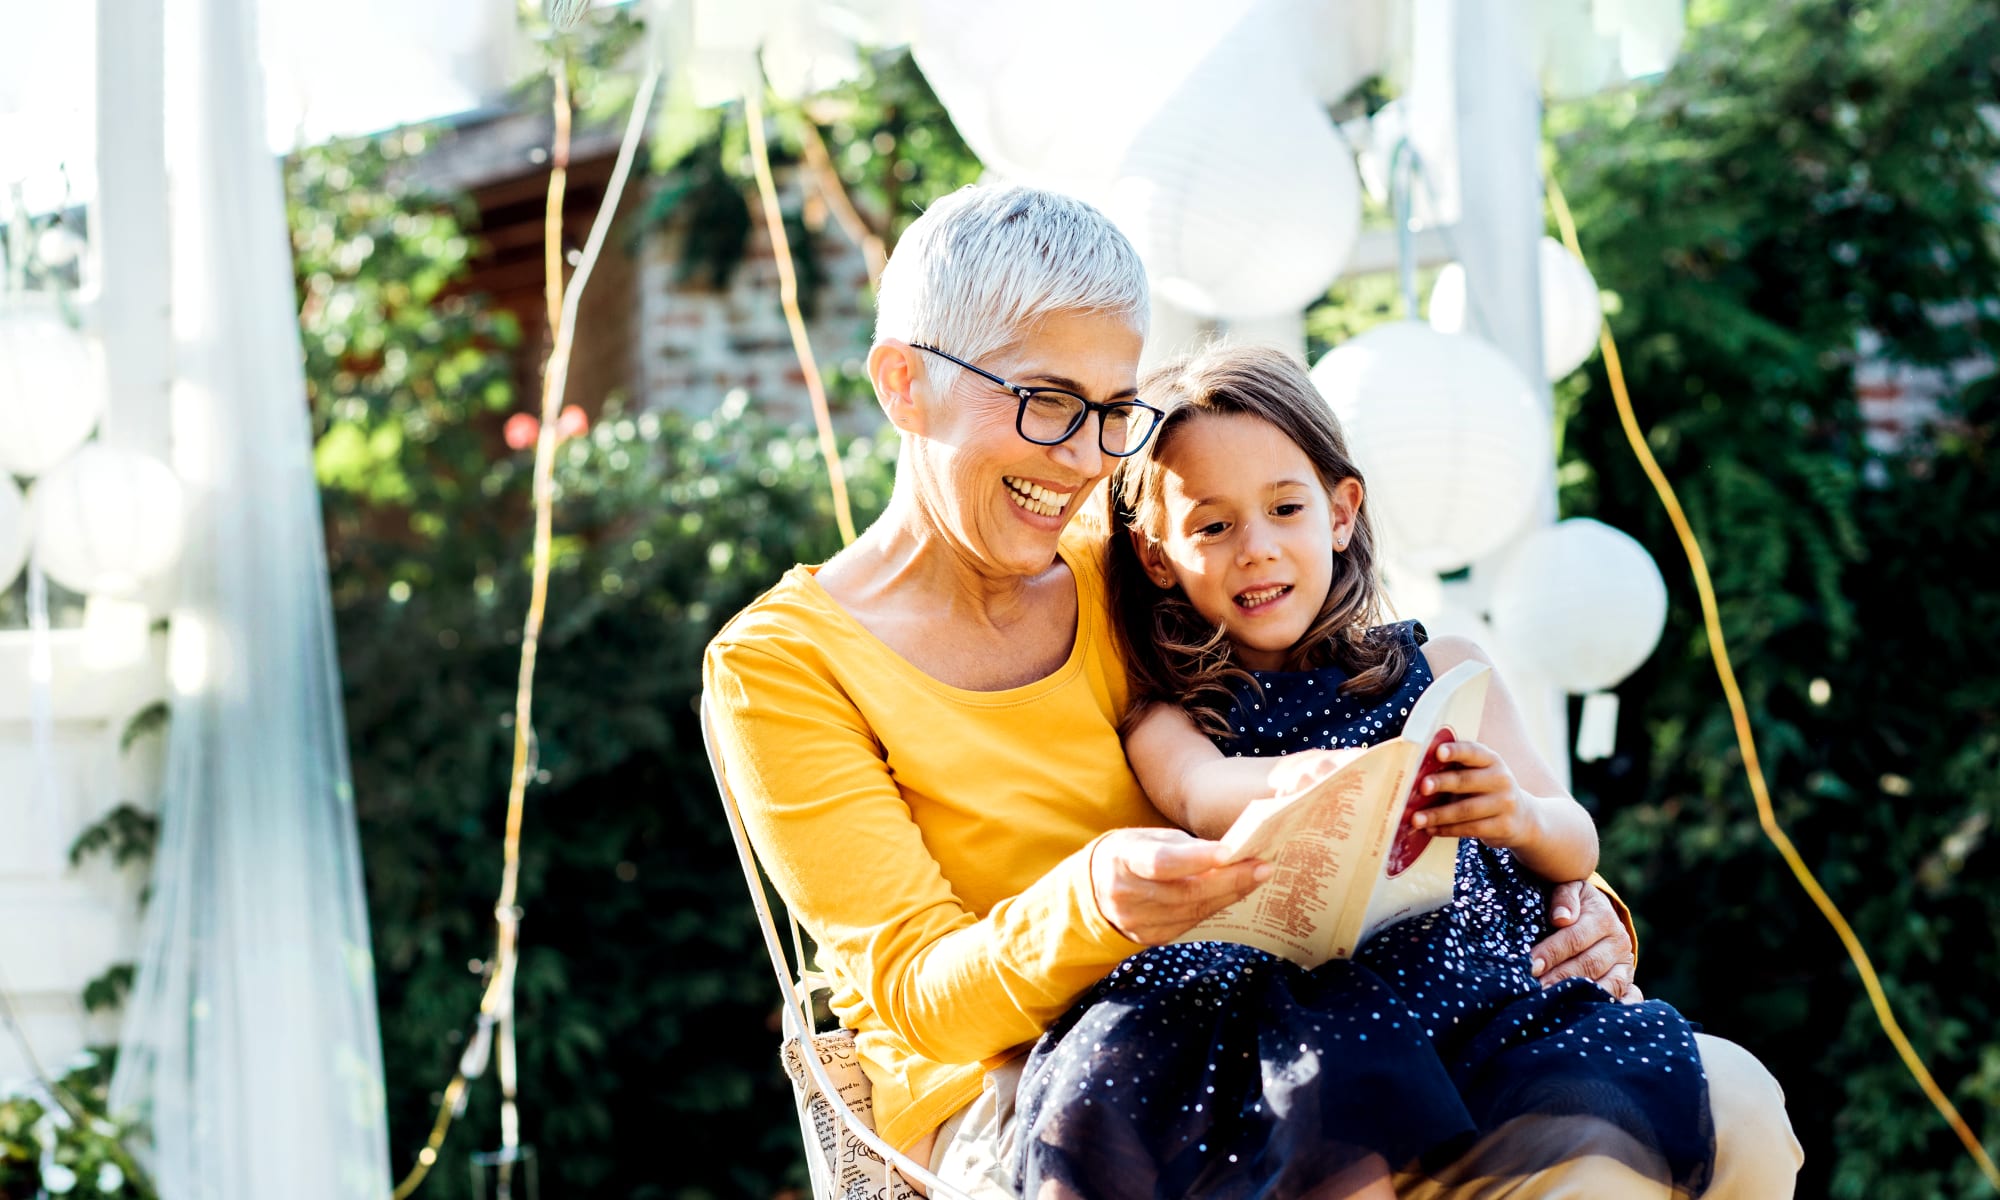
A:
x: 1213, y: 1069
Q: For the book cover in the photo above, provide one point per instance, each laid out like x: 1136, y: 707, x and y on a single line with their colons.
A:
x: 1348, y: 862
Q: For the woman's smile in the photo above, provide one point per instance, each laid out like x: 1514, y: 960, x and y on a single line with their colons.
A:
x: 1039, y: 499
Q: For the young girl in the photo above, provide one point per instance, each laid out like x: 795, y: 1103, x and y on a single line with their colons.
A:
x: 1243, y: 571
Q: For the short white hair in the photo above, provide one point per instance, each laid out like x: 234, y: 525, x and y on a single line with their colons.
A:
x: 985, y: 263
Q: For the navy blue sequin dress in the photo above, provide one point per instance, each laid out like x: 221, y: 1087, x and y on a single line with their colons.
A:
x: 1217, y: 1070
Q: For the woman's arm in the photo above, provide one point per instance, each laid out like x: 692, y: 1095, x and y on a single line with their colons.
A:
x: 1509, y: 795
x: 832, y: 830
x: 836, y: 836
x: 1198, y: 787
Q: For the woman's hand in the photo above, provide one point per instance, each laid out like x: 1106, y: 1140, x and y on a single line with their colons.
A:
x: 1156, y: 884
x: 1590, y: 942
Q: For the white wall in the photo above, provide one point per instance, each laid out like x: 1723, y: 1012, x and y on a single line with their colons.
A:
x: 62, y: 926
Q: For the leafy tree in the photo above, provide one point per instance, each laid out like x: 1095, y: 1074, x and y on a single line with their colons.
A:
x: 1810, y: 171
x: 890, y: 145
x: 646, y: 1011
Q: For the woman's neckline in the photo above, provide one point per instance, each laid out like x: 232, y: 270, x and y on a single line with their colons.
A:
x: 1033, y: 689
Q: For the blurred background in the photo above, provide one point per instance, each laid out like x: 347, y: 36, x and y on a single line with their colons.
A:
x: 276, y: 342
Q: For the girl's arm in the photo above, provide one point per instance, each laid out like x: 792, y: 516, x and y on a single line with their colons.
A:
x: 1198, y: 787
x: 1508, y: 794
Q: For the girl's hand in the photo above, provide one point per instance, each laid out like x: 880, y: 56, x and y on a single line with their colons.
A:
x: 1493, y: 807
x: 1153, y: 885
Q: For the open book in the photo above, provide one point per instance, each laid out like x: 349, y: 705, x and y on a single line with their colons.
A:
x: 1348, y: 862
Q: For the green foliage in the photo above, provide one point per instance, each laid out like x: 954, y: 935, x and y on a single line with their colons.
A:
x: 646, y: 1011
x: 407, y: 377
x: 67, y: 1148
x: 127, y: 833
x: 893, y: 142
x: 1807, y: 171
x: 645, y: 1004
x: 107, y: 992
x: 149, y: 720
x: 890, y: 140
x: 598, y: 56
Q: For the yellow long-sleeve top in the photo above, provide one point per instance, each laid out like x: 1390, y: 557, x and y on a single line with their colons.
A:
x: 935, y: 842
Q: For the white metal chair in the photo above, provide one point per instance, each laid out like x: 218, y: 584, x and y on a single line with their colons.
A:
x: 846, y: 1159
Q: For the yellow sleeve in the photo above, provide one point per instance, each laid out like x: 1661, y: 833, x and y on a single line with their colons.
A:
x: 836, y: 836
x: 1624, y: 913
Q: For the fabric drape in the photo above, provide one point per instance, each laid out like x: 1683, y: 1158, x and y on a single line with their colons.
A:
x: 250, y: 1048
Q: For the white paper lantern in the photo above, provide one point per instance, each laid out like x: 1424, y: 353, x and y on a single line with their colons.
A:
x: 59, y: 246
x: 51, y: 384
x: 1059, y: 111
x: 1571, y: 313
x: 1174, y: 331
x: 1240, y: 196
x: 1452, y: 441
x: 107, y: 520
x: 1286, y: 331
x: 13, y: 531
x: 1584, y: 46
x: 115, y: 632
x: 1583, y: 601
x: 1453, y: 618
x: 1413, y: 592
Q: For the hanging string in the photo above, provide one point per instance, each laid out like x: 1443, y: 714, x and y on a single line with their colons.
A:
x: 1745, y: 741
x: 1403, y: 170
x: 14, y: 239
x: 788, y: 296
x: 826, y: 177
x: 496, y: 1005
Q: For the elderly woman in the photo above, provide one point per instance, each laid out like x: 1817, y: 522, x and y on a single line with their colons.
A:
x: 923, y: 731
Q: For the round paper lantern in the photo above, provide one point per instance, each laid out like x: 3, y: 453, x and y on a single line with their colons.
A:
x: 1412, y: 591
x: 59, y: 246
x: 13, y: 531
x: 1239, y: 195
x: 106, y: 520
x: 1453, y: 618
x: 1571, y: 315
x: 1452, y: 441
x: 1058, y: 112
x: 51, y: 384
x: 1582, y: 601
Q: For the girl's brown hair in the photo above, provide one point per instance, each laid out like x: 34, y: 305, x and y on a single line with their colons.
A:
x: 1185, y: 660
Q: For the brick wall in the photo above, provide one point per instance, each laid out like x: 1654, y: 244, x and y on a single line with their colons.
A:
x: 641, y: 332
x: 1899, y: 400
x: 698, y: 344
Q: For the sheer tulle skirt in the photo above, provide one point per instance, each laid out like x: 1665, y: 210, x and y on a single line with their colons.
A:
x: 1217, y: 1070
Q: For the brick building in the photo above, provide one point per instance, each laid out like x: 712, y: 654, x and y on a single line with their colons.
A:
x: 642, y: 332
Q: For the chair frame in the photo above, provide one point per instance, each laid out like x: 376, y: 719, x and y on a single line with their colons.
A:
x: 795, y: 985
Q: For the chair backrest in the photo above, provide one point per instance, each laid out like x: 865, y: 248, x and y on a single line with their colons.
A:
x: 845, y: 1157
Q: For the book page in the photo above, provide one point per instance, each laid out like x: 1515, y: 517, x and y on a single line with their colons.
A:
x: 1348, y: 861
x: 1418, y: 872
x: 1320, y: 842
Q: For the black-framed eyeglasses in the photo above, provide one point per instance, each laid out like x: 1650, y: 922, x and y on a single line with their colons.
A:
x: 1050, y: 416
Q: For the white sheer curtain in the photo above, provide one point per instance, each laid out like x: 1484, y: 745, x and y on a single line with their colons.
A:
x: 250, y: 1047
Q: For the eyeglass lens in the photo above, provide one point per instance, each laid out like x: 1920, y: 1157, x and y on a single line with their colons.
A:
x: 1051, y: 417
